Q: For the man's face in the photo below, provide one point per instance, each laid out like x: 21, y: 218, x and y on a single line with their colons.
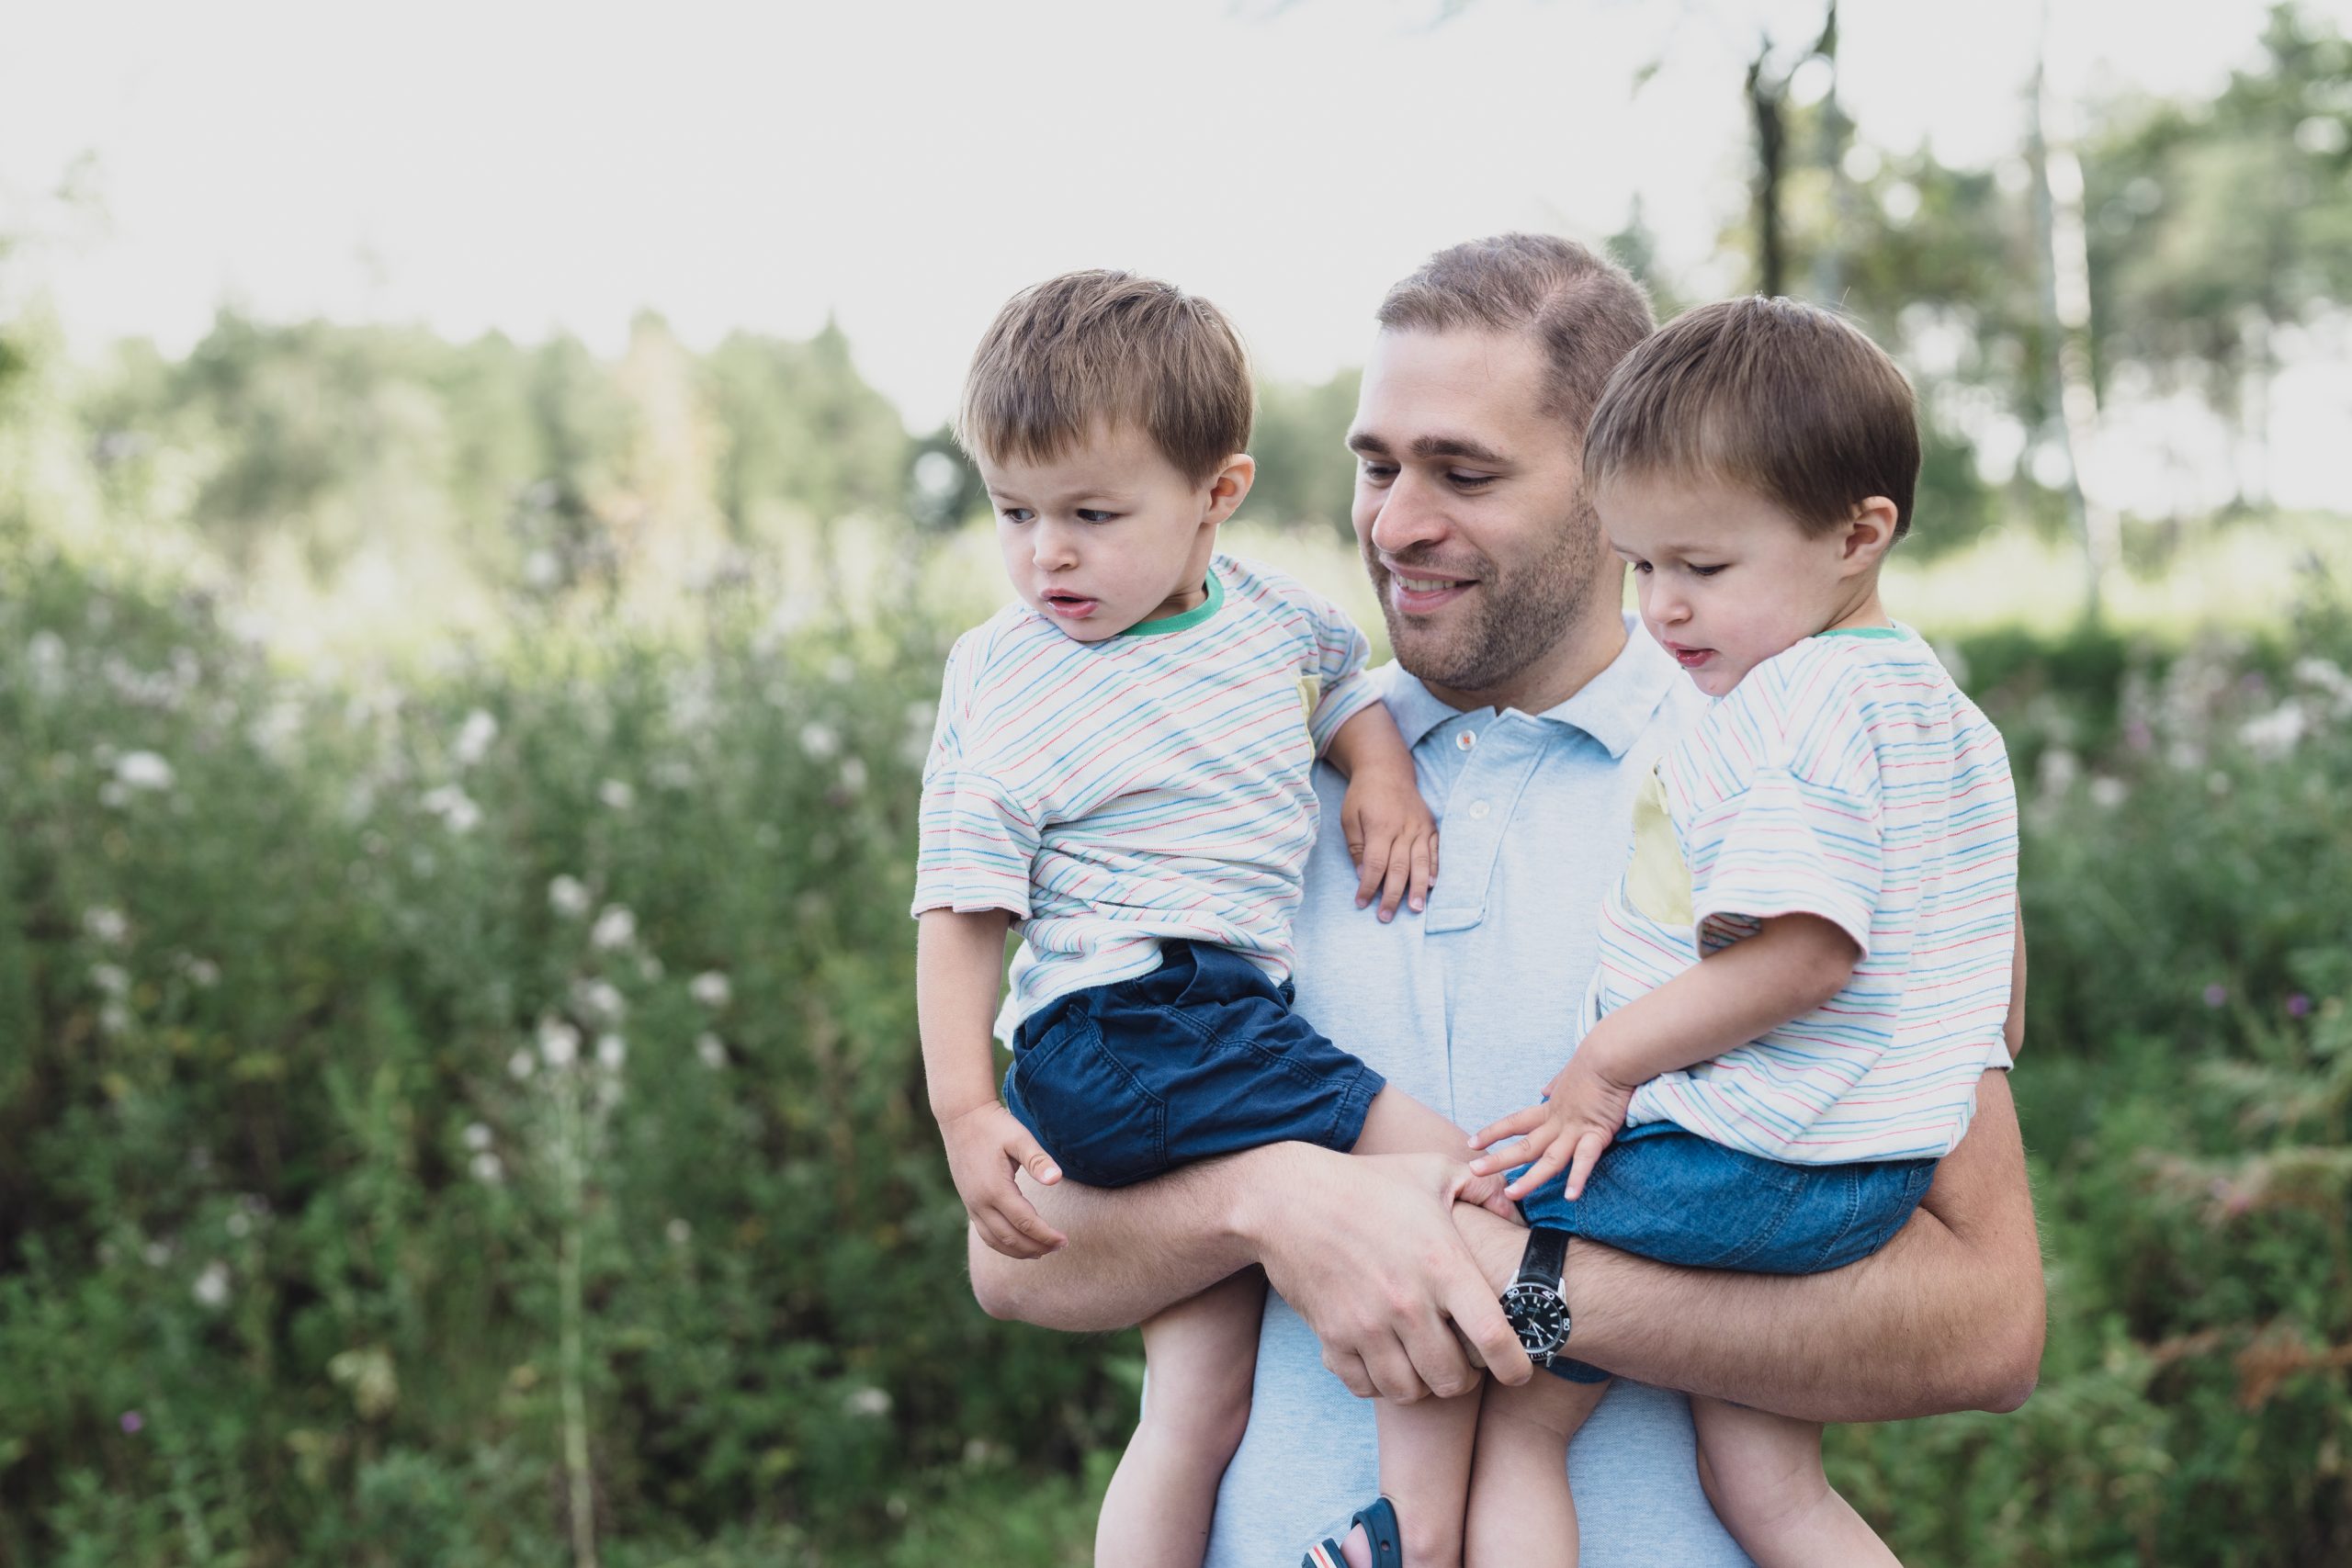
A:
x: 1470, y: 511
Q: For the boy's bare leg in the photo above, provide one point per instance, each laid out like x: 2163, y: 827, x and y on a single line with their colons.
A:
x: 1763, y: 1474
x: 1520, y: 1511
x: 1202, y: 1356
x: 1424, y: 1448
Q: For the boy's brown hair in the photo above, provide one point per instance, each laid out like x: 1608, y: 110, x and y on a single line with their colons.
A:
x: 1771, y: 396
x: 1112, y: 347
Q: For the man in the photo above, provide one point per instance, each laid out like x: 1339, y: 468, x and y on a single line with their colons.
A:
x: 1531, y: 710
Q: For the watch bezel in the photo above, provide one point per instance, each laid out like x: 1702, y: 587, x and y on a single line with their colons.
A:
x: 1518, y: 1312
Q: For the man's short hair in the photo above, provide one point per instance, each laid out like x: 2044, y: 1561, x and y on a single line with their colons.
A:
x: 1775, y: 397
x: 1584, y: 311
x: 1109, y: 348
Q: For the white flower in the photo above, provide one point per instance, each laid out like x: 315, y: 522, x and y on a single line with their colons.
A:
x: 453, y: 806
x: 854, y: 774
x: 649, y: 968
x: 519, y: 1064
x: 114, y: 1019
x: 46, y: 652
x: 567, y: 897
x: 611, y: 1052
x: 868, y: 1401
x: 487, y: 1168
x: 670, y: 772
x: 711, y: 1049
x: 156, y: 1253
x: 239, y: 1224
x: 600, y: 998
x: 111, y: 979
x: 142, y: 770
x: 559, y: 1042
x: 2106, y: 793
x: 478, y: 1136
x: 711, y: 989
x: 818, y: 742
x: 678, y: 1231
x: 474, y: 738
x: 202, y: 973
x: 106, y: 925
x: 2059, y: 768
x: 2276, y: 733
x: 615, y: 928
x: 211, y: 1288
x: 617, y: 794
x: 541, y: 570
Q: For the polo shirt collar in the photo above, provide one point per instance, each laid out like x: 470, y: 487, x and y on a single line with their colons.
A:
x: 1613, y: 708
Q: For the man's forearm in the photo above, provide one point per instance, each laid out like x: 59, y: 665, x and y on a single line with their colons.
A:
x: 1132, y: 1251
x: 1946, y: 1316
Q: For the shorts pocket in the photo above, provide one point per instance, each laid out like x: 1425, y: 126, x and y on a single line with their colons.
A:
x: 1091, y: 1110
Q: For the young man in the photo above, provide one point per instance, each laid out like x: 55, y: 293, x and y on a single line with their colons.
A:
x: 1532, y: 716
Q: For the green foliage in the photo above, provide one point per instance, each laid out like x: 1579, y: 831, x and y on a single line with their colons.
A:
x: 1305, y: 476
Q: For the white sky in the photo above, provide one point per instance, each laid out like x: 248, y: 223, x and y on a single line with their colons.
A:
x: 907, y: 166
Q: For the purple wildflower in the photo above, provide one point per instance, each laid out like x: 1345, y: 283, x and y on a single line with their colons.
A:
x: 2216, y: 995
x: 2298, y: 1005
x: 132, y: 1422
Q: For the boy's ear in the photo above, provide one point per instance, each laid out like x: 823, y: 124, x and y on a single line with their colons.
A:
x: 1869, y: 533
x: 1229, y: 488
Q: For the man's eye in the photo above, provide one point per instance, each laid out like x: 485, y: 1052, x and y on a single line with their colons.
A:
x: 1469, y: 481
x: 1095, y: 514
x: 1378, y: 473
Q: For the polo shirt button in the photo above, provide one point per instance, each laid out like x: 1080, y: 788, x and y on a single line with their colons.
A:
x: 1478, y: 811
x: 1465, y: 740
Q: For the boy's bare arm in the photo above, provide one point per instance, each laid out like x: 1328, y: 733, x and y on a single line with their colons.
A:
x: 1946, y: 1316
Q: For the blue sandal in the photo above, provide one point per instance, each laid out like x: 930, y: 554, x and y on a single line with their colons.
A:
x: 1379, y: 1522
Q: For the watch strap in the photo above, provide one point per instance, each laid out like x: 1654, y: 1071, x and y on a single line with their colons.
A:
x: 1546, y: 1261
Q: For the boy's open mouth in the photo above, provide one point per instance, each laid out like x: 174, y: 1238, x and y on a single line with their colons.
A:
x: 1690, y: 658
x: 1076, y: 606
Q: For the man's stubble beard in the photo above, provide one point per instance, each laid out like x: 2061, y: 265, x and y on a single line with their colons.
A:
x: 1520, y: 617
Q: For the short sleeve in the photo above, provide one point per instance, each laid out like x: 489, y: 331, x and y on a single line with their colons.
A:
x: 1342, y: 654
x: 1784, y: 846
x: 976, y: 840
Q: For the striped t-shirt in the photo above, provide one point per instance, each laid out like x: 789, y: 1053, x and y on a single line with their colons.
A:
x: 1154, y: 785
x: 1847, y: 777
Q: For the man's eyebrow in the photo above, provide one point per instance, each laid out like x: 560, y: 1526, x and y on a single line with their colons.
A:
x: 1365, y: 442
x: 1429, y: 448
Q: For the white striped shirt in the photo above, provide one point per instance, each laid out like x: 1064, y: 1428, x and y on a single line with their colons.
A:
x: 1847, y: 777
x: 1155, y: 784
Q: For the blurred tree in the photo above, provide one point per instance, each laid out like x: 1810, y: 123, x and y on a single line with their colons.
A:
x: 1306, y: 477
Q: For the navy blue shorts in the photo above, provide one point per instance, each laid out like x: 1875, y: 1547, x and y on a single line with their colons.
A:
x: 1662, y: 1192
x: 1202, y: 1057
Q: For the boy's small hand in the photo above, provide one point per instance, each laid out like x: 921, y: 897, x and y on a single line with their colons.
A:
x: 985, y: 1145
x: 1392, y: 838
x: 1579, y: 1119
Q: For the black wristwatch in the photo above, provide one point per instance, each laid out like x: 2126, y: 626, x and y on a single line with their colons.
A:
x: 1537, y: 1303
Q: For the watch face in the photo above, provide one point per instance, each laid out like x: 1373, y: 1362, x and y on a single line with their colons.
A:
x: 1538, y: 1316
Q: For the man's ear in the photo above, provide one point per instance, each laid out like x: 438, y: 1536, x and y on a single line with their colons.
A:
x: 1870, y: 531
x: 1228, y: 489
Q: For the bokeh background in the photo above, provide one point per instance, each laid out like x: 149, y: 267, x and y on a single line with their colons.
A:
x: 477, y: 544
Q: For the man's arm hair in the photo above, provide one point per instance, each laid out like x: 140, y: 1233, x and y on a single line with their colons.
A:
x: 1949, y: 1315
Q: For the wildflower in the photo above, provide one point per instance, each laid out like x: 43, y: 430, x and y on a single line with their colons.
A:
x: 868, y: 1401
x: 2107, y: 793
x: 600, y: 998
x: 649, y: 968
x: 559, y: 1042
x: 678, y: 1231
x: 478, y: 1136
x: 853, y: 774
x: 617, y: 794
x: 474, y: 738
x: 2216, y: 995
x: 212, y: 1287
x: 453, y: 806
x: 712, y: 1051
x: 615, y: 928
x: 611, y: 1052
x: 131, y: 1421
x: 156, y: 1253
x: 519, y: 1064
x: 202, y: 973
x: 111, y: 979
x: 106, y: 925
x: 142, y: 770
x: 711, y: 989
x: 819, y: 742
x: 2275, y: 734
x: 239, y: 1224
x: 2059, y: 767
x: 567, y: 897
x: 2299, y: 1006
x: 487, y: 1168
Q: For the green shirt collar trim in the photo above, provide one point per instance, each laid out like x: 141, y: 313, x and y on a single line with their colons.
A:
x: 1183, y: 620
x: 1895, y: 633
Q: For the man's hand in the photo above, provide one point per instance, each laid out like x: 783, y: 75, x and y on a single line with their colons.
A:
x: 1583, y: 1108
x: 985, y: 1145
x: 1363, y: 1247
x: 1391, y: 836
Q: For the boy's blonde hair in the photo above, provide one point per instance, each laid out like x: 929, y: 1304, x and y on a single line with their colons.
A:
x: 1771, y: 396
x: 1113, y: 348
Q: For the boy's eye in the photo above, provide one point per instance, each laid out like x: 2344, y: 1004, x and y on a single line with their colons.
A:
x: 1641, y: 567
x: 1016, y: 515
x: 1706, y: 571
x: 1094, y: 514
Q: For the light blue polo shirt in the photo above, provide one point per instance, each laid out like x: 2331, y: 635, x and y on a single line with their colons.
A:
x: 1471, y: 1008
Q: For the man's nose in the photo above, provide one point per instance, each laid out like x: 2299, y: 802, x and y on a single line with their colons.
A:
x: 1407, y: 514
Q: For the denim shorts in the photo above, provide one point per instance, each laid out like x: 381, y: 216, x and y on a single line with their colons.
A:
x: 1662, y: 1192
x: 1202, y: 1057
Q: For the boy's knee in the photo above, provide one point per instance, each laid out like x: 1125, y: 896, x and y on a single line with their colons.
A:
x: 1207, y: 1419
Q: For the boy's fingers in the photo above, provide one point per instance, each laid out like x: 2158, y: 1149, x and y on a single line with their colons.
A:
x: 1030, y: 1222
x: 1392, y: 892
x: 1031, y: 1156
x: 1372, y: 869
x: 1587, y: 1153
x: 1519, y: 1120
x: 1434, y: 836
x: 1542, y: 1171
x: 1424, y: 871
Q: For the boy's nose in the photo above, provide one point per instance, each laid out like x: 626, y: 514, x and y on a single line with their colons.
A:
x: 1053, y: 548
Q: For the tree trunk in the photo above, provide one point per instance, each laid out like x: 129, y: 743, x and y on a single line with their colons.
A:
x: 1767, y: 98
